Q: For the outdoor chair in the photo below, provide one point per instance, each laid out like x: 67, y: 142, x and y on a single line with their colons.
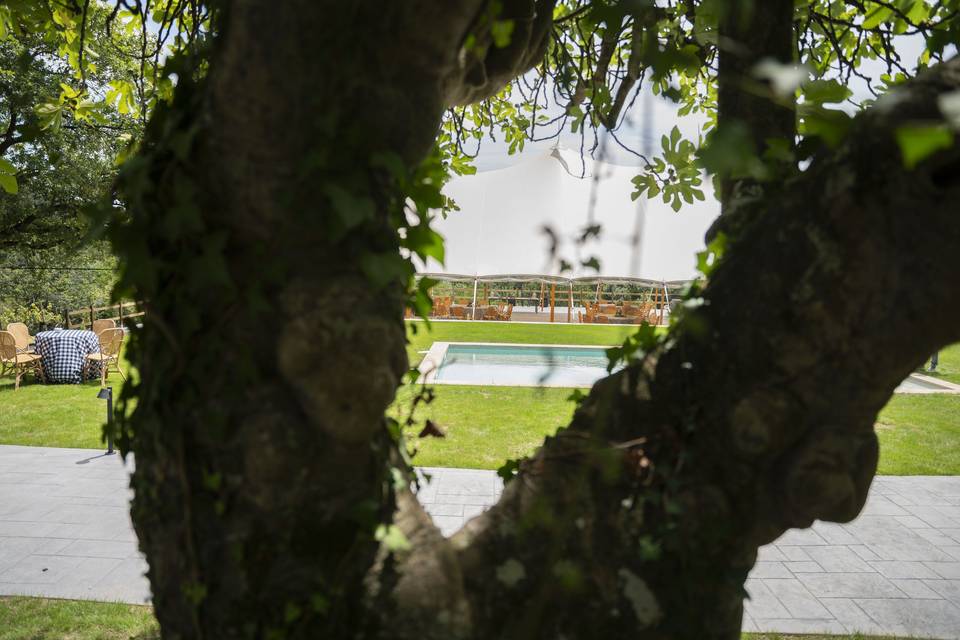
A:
x: 506, y: 312
x: 491, y: 313
x: 608, y: 309
x: 16, y: 362
x: 109, y: 357
x: 459, y: 312
x: 100, y: 325
x: 22, y: 335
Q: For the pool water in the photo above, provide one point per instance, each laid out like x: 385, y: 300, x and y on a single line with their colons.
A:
x: 522, y: 365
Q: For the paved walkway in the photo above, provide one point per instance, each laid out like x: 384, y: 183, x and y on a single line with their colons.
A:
x: 65, y: 532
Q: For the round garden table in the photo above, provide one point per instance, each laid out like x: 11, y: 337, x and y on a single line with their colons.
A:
x: 65, y: 352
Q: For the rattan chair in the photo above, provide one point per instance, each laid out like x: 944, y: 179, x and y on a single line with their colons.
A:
x: 22, y: 335
x: 100, y: 325
x: 109, y: 357
x: 16, y: 362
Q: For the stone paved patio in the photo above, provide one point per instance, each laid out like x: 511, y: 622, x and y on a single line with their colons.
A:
x: 65, y: 533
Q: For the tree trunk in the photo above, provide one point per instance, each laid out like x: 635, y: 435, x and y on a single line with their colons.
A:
x: 260, y: 236
x: 263, y: 465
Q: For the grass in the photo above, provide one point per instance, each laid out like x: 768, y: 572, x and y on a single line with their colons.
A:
x: 55, y: 415
x: 919, y: 434
x: 485, y: 425
x: 816, y: 636
x: 949, y: 367
x: 42, y: 619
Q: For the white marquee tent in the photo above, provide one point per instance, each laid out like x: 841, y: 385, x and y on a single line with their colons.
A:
x: 500, y: 226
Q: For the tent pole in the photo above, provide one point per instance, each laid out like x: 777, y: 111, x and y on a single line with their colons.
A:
x: 542, y: 289
x: 599, y: 286
x: 666, y: 293
x: 473, y: 306
x: 570, y: 306
x: 553, y: 296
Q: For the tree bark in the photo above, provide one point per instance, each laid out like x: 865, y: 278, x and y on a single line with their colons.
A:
x: 750, y: 34
x: 263, y: 465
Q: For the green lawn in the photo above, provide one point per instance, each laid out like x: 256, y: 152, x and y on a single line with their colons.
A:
x: 42, y: 619
x: 919, y: 434
x: 55, y: 415
x: 949, y: 366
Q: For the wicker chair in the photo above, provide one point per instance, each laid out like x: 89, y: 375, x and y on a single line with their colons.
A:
x: 16, y: 362
x: 109, y: 357
x: 100, y: 325
x: 22, y: 335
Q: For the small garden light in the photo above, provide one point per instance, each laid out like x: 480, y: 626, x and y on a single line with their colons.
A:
x: 106, y: 393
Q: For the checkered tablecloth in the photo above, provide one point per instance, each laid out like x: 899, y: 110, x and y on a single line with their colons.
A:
x: 65, y: 353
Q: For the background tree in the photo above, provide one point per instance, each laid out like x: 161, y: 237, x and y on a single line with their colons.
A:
x: 66, y: 121
x: 274, y: 190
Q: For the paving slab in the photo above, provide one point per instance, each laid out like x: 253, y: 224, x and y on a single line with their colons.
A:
x: 65, y: 532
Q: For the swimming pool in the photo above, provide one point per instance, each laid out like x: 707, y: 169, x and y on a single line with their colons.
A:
x: 514, y: 364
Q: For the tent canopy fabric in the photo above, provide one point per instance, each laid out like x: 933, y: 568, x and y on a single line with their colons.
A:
x: 504, y: 214
x: 530, y: 277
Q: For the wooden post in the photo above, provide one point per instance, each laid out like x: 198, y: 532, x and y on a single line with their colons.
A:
x: 553, y: 299
x: 120, y: 314
x: 91, y: 317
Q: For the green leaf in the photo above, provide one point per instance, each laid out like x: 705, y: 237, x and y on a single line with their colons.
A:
x: 825, y: 91
x: 7, y: 167
x: 876, y: 16
x: 831, y: 125
x: 392, y: 538
x: 9, y: 183
x: 352, y: 210
x: 501, y: 31
x: 918, y: 142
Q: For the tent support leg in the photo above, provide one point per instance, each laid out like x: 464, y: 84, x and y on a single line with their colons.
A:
x: 570, y: 306
x: 553, y: 300
x: 473, y: 306
x: 666, y: 293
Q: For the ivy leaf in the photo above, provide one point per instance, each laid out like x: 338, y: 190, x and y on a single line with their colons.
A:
x: 918, y: 142
x: 509, y: 469
x: 501, y: 31
x: 392, y: 537
x: 352, y: 210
